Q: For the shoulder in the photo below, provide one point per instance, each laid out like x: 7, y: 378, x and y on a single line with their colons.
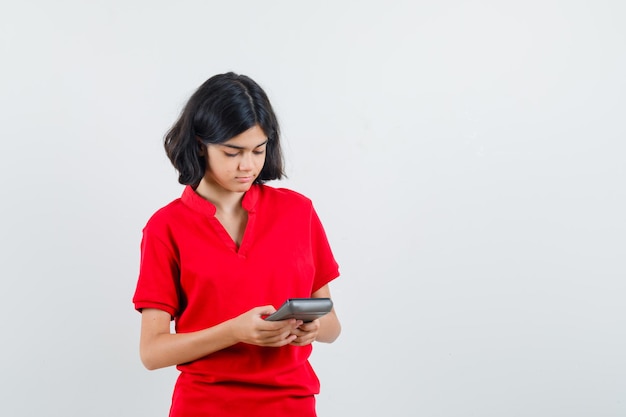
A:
x: 163, y: 218
x: 283, y: 197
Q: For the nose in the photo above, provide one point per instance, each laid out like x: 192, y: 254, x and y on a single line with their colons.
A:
x: 245, y: 163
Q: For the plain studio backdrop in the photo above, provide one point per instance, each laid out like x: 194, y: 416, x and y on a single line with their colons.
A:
x: 467, y: 159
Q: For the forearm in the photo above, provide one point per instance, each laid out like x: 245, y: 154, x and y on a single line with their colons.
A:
x: 330, y: 328
x: 166, y: 349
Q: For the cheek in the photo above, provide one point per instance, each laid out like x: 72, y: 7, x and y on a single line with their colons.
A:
x: 220, y: 167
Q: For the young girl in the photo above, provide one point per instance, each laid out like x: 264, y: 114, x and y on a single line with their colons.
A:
x: 224, y: 255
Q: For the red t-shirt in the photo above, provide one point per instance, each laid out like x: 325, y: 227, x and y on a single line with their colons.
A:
x: 192, y: 269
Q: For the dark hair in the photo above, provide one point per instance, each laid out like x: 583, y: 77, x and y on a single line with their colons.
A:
x: 220, y: 109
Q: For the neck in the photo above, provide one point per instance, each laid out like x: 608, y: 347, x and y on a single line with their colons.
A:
x: 224, y: 201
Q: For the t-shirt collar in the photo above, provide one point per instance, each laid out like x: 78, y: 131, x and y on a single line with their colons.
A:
x: 197, y: 203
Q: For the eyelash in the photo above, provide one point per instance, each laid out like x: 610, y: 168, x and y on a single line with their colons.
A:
x: 232, y: 155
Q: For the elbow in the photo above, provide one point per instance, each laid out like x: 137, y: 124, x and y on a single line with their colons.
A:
x: 149, y: 365
x: 149, y: 361
x: 336, y: 333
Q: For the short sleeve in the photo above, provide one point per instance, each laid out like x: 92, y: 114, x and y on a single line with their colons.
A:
x: 158, y: 285
x: 326, y: 267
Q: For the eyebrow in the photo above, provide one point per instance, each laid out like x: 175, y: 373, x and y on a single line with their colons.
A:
x: 243, y: 147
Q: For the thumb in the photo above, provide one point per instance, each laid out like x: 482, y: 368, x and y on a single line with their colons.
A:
x: 265, y: 310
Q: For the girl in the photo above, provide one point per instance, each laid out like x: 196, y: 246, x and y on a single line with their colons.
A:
x: 222, y: 256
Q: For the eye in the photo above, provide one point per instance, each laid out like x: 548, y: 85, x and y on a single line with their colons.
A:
x: 231, y: 155
x: 259, y: 152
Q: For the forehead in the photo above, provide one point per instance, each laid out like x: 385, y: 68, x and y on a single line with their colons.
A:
x: 251, y: 138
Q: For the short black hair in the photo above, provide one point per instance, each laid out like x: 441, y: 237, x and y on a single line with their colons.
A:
x: 223, y: 107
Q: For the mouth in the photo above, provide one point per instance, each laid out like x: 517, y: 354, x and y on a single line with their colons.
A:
x: 245, y: 179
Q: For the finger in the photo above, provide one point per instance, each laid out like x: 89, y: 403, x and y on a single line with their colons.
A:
x: 275, y: 325
x: 297, y: 341
x: 301, y: 341
x: 298, y: 332
x: 310, y: 326
x: 281, y: 342
x: 277, y: 337
x: 264, y: 310
x: 269, y: 332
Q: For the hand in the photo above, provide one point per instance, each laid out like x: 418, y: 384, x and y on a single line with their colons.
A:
x: 251, y: 328
x: 306, y: 333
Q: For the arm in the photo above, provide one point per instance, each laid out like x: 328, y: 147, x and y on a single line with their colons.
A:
x: 325, y: 329
x: 160, y: 348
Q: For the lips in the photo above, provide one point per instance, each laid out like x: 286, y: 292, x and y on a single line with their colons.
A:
x: 244, y: 179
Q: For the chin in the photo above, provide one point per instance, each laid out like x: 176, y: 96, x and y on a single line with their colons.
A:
x: 242, y: 187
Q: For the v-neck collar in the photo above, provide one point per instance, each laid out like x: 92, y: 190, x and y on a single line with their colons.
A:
x: 202, y: 206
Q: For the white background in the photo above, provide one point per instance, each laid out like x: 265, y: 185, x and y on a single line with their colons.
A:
x: 466, y: 157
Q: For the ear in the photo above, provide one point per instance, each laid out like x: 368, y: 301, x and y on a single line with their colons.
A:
x: 201, y: 147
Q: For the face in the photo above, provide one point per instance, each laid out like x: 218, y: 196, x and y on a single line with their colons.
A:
x: 235, y: 164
